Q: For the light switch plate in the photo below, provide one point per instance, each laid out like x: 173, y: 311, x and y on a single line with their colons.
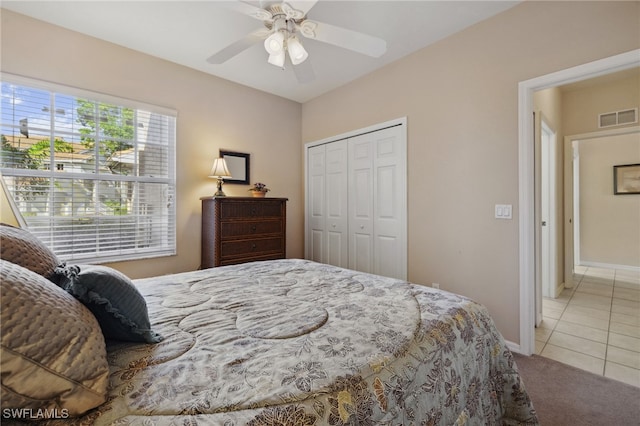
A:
x: 503, y: 211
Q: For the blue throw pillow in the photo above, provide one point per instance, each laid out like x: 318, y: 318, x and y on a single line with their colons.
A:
x: 110, y: 295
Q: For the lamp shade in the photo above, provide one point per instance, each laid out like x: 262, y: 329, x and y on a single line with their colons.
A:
x: 274, y: 44
x: 219, y: 169
x: 277, y: 59
x: 297, y: 52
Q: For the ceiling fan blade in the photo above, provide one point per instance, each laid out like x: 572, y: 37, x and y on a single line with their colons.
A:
x: 302, y: 5
x: 342, y: 37
x: 248, y: 9
x: 304, y: 72
x: 238, y: 47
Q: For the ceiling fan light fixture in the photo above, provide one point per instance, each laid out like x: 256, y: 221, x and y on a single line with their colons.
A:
x: 274, y: 44
x: 277, y: 59
x: 297, y: 52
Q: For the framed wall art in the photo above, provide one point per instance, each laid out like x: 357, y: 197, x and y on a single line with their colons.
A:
x: 626, y: 179
x: 238, y: 165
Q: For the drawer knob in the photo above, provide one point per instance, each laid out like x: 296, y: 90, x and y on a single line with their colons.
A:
x: 254, y: 228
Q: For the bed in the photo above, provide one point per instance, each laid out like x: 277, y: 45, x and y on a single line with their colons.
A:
x: 294, y: 342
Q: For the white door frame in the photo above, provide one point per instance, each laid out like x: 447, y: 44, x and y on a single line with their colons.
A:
x: 526, y: 166
x: 548, y: 200
x: 571, y: 200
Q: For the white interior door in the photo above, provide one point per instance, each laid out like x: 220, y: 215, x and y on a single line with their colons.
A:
x: 537, y: 132
x: 548, y: 209
x: 572, y: 238
x: 576, y: 202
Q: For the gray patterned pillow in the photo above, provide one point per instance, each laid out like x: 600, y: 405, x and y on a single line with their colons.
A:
x: 21, y: 247
x: 110, y: 295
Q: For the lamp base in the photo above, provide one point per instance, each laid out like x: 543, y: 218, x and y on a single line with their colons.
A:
x: 219, y: 192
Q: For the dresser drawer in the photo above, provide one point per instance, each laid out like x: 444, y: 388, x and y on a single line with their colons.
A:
x: 252, y: 258
x: 248, y: 228
x: 240, y: 210
x: 252, y: 247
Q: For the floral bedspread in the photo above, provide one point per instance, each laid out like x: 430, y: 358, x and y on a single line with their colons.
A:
x: 293, y: 342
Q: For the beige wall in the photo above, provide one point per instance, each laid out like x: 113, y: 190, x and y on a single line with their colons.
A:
x: 609, y: 224
x: 460, y: 97
x: 582, y: 104
x: 212, y: 114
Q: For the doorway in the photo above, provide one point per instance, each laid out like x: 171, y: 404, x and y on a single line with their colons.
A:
x: 527, y: 216
x: 588, y: 326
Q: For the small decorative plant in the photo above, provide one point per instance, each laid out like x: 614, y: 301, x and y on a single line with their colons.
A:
x: 259, y: 187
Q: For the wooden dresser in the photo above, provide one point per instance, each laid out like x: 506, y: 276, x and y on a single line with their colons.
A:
x: 242, y: 229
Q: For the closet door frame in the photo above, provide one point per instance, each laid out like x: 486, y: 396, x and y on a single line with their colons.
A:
x: 402, y: 124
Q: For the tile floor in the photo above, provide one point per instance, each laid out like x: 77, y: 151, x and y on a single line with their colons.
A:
x: 595, y: 325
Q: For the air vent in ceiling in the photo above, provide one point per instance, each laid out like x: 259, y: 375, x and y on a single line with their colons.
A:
x: 618, y: 118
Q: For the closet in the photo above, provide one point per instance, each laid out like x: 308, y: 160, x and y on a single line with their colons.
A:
x: 356, y: 200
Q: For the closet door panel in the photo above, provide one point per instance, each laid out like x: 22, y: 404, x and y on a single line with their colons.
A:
x: 316, y: 247
x: 387, y: 208
x: 336, y: 246
x: 361, y: 203
x: 361, y: 256
x: 391, y: 263
x: 335, y: 249
x: 390, y: 203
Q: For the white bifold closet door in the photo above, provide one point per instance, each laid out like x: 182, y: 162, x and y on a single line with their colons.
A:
x: 377, y: 207
x: 356, y: 202
x: 327, y: 219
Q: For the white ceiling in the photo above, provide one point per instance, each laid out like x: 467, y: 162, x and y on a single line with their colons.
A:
x: 188, y: 32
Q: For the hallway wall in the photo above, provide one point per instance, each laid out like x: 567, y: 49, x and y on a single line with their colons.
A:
x: 609, y: 224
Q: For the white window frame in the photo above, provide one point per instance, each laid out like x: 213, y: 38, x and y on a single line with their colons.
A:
x: 168, y: 247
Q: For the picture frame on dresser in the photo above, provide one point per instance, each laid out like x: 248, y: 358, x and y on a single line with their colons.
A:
x: 239, y: 166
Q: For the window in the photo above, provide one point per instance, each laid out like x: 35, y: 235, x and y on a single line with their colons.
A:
x: 91, y: 175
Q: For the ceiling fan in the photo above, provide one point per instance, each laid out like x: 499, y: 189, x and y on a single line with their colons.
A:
x: 282, y: 23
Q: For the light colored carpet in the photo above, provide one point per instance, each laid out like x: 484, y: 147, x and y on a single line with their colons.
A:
x: 564, y: 395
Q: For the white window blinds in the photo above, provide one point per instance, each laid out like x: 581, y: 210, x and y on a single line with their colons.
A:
x: 92, y: 176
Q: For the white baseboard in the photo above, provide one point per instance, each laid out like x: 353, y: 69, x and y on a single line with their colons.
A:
x: 514, y: 347
x: 609, y: 266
